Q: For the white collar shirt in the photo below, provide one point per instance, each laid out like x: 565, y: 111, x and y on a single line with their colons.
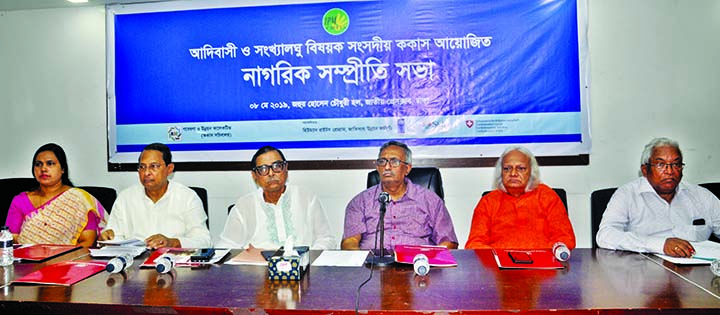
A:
x: 178, y: 214
x: 638, y: 219
x: 298, y: 213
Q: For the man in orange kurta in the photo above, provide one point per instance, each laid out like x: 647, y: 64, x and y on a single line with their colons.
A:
x: 521, y: 213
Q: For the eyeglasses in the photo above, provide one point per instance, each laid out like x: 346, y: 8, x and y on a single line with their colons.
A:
x: 673, y: 166
x: 277, y: 167
x: 154, y: 167
x: 519, y: 169
x: 381, y: 162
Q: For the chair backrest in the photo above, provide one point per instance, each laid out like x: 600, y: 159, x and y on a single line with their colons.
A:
x: 202, y: 193
x: 9, y: 188
x: 428, y: 177
x: 105, y: 195
x: 559, y: 191
x: 715, y: 189
x: 598, y: 203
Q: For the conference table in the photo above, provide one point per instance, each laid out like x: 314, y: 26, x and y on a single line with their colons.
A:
x: 701, y: 276
x: 593, y: 281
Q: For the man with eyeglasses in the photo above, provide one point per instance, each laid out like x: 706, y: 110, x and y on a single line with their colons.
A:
x: 521, y: 212
x: 414, y: 216
x: 161, y: 212
x: 276, y: 211
x: 658, y: 212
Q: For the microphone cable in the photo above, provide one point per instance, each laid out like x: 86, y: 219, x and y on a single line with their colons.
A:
x: 372, y: 265
x: 357, y: 294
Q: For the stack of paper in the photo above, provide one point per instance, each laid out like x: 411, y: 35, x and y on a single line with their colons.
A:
x: 705, y: 253
x: 114, y: 251
x: 250, y: 256
x: 123, y: 242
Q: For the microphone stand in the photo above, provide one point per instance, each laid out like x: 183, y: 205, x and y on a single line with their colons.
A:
x: 382, y: 260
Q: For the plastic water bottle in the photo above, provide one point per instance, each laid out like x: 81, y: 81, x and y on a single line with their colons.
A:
x: 164, y: 264
x: 6, y: 245
x: 421, y: 265
x: 561, y: 251
x: 119, y: 263
x: 715, y: 267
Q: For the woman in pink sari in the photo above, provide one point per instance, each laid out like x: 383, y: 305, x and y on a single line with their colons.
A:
x: 55, y: 212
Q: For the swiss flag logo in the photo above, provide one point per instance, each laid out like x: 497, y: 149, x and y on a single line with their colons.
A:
x: 469, y: 123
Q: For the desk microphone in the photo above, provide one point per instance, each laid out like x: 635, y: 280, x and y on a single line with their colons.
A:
x: 164, y: 264
x: 379, y: 258
x: 119, y: 263
x: 421, y: 265
x: 561, y: 252
x: 383, y: 199
x: 715, y: 269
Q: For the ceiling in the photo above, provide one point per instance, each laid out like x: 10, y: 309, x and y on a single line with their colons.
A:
x: 12, y: 5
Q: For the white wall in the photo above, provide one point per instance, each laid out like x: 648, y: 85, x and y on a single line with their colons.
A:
x: 654, y: 72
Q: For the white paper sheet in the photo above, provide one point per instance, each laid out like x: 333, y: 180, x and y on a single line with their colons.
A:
x: 341, y: 258
x: 705, y: 253
x: 130, y: 242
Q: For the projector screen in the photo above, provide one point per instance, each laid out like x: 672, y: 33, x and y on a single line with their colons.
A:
x: 216, y: 80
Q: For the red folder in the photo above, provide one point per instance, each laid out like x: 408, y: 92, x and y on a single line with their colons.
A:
x: 438, y: 256
x: 40, y: 252
x: 64, y: 273
x: 540, y: 259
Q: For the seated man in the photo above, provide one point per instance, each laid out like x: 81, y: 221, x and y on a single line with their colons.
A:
x: 521, y: 212
x: 266, y: 217
x: 658, y: 212
x: 163, y: 213
x: 415, y: 215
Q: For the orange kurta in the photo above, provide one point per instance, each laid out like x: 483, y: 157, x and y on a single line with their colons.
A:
x: 535, y: 220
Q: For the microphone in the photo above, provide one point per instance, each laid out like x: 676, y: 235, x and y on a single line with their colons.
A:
x: 382, y: 259
x: 164, y: 264
x: 421, y: 265
x: 715, y: 269
x: 384, y: 198
x: 560, y: 251
x: 119, y: 263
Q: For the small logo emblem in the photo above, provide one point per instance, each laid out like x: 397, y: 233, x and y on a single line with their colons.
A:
x: 175, y: 134
x: 336, y: 21
x: 469, y: 123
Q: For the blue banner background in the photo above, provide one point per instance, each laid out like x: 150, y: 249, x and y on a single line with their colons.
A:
x: 531, y: 65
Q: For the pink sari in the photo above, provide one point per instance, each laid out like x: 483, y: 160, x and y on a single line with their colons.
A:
x: 61, y: 220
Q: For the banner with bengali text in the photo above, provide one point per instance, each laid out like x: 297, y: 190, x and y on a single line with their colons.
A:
x: 335, y: 80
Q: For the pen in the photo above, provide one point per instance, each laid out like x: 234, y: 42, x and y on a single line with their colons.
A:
x: 704, y: 258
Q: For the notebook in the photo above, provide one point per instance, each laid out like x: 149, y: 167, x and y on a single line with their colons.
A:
x: 41, y: 252
x: 438, y: 256
x: 64, y: 273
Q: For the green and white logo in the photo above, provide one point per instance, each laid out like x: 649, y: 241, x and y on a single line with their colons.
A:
x: 336, y: 21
